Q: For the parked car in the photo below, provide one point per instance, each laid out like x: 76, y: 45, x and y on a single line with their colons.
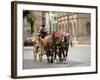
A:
x: 29, y: 41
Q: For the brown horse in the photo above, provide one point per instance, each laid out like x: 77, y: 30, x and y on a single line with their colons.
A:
x: 50, y: 46
x: 42, y: 46
x: 56, y: 43
x: 47, y: 41
x: 65, y: 39
x: 61, y: 42
x: 38, y: 48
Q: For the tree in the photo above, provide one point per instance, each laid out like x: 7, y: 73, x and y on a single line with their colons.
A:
x: 30, y: 18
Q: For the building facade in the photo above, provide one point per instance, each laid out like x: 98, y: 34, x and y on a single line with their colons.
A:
x: 26, y: 29
x: 53, y: 22
x: 42, y: 19
x: 38, y: 21
x: 78, y: 25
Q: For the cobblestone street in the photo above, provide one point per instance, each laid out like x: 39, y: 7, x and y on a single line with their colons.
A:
x: 78, y: 56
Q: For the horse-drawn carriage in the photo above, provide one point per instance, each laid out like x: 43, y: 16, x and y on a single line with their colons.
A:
x: 52, y: 46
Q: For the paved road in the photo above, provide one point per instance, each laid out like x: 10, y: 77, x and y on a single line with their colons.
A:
x: 79, y: 55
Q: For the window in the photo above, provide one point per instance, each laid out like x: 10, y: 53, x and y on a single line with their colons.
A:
x: 55, y: 18
x: 88, y: 28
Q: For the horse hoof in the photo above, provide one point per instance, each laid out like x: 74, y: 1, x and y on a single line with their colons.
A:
x: 40, y: 60
x: 55, y: 61
x: 65, y: 62
x: 51, y: 61
x: 48, y: 62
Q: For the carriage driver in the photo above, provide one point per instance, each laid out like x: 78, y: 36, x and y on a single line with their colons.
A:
x: 43, y: 31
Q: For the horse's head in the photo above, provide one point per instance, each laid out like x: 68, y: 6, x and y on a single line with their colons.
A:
x: 56, y: 35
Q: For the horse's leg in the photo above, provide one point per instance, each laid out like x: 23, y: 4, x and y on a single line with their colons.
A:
x: 35, y: 55
x: 55, y: 55
x: 47, y: 54
x: 66, y: 53
x: 51, y: 54
x: 34, y: 52
x: 40, y: 56
x: 60, y: 55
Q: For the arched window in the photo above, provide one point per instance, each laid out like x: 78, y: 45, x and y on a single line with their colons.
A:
x: 66, y: 26
x: 88, y: 28
x: 75, y: 29
x: 61, y: 27
x: 70, y: 29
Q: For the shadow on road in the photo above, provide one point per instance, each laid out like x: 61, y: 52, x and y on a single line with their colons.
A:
x: 31, y: 64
